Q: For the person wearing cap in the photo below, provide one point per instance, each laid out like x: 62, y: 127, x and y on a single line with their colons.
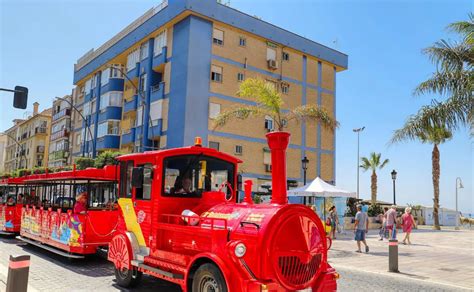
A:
x: 80, y: 207
x: 391, y: 216
x: 361, y: 227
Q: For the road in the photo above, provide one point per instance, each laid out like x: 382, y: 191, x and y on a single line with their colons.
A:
x: 50, y: 272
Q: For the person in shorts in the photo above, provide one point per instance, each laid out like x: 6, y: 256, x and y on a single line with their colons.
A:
x: 361, y: 227
x: 391, y: 226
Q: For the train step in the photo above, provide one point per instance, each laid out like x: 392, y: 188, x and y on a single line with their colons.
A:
x: 141, y: 265
x: 50, y: 248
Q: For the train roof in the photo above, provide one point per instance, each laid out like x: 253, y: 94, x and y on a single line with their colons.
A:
x: 108, y: 173
x: 182, y: 151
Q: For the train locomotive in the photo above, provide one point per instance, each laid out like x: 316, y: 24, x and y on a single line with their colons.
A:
x: 180, y: 221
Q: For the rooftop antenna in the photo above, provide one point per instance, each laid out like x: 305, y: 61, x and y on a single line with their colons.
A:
x: 336, y: 43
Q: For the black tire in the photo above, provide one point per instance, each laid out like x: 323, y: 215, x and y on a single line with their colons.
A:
x: 127, y: 278
x: 208, y: 278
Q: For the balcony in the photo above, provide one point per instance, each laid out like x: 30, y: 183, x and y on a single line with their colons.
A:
x: 157, y: 92
x: 59, y: 134
x: 61, y: 154
x: 160, y: 59
x: 131, y: 105
x: 39, y: 149
x: 129, y: 137
x: 156, y: 130
x: 63, y: 113
x: 40, y: 130
x: 133, y: 74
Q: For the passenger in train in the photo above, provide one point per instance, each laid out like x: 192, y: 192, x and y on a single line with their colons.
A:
x: 80, y: 207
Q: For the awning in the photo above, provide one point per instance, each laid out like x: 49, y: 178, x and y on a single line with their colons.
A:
x: 320, y: 188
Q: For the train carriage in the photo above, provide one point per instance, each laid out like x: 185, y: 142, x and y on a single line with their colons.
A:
x: 179, y: 221
x: 54, y: 222
x: 12, y: 196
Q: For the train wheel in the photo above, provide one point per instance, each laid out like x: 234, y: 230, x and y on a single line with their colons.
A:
x: 208, y: 278
x: 127, y: 278
x: 120, y: 254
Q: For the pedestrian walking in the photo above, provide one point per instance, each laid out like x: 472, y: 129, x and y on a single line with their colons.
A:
x: 361, y: 227
x: 391, y: 225
x: 383, y: 220
x: 408, y: 224
x: 334, y: 220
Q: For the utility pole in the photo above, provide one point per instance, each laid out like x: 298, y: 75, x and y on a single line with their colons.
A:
x: 358, y: 130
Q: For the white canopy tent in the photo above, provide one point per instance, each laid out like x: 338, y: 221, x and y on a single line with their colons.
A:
x: 320, y: 188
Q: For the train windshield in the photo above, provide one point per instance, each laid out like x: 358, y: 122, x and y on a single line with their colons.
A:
x: 191, y: 175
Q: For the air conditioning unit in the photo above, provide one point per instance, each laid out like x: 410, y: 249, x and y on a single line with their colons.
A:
x: 268, y: 167
x: 272, y: 64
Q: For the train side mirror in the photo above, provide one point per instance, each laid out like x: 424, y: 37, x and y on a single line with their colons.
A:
x: 137, y: 177
x: 20, y: 97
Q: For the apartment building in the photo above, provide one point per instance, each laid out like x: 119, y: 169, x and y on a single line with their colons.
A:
x: 3, y: 150
x: 163, y: 79
x: 59, y: 145
x: 28, y: 141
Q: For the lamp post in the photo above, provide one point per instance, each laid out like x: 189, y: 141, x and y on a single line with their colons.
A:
x: 394, y: 177
x: 358, y: 130
x: 458, y: 186
x: 304, y: 165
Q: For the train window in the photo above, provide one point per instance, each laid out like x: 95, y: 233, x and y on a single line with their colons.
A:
x: 191, y: 175
x: 144, y: 192
x: 102, y: 195
x: 126, y: 168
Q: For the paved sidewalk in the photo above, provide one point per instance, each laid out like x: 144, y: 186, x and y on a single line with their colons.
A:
x: 445, y: 257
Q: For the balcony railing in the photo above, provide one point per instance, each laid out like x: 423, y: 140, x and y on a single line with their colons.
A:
x: 131, y: 105
x: 40, y: 130
x: 62, y: 113
x: 59, y: 134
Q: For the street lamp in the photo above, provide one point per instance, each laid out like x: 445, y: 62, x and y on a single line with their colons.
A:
x: 394, y: 177
x: 358, y: 138
x: 458, y: 186
x: 304, y: 165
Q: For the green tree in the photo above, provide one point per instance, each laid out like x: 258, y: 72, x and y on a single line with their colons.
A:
x: 269, y: 103
x: 453, y: 80
x: 106, y: 158
x: 373, y: 162
x: 432, y: 135
x: 84, y: 162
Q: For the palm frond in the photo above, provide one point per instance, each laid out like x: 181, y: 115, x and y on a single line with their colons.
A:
x: 314, y: 113
x: 239, y: 113
x: 458, y: 82
x: 365, y: 165
x: 464, y: 28
x: 449, y: 57
x: 449, y: 114
x: 263, y: 92
x: 384, y: 163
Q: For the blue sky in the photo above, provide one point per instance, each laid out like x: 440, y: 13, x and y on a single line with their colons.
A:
x: 41, y: 40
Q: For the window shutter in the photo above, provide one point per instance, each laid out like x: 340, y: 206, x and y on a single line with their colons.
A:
x: 214, y: 110
x: 156, y: 110
x: 218, y: 34
x: 216, y: 69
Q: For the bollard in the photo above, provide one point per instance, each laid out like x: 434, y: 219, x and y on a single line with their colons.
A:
x: 18, y: 270
x: 393, y: 256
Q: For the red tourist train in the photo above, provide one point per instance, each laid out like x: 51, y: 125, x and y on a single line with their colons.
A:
x: 180, y: 221
x: 51, y: 220
x: 11, y: 203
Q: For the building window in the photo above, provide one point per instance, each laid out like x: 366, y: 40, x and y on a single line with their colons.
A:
x: 88, y: 86
x: 271, y: 54
x: 78, y: 139
x: 111, y: 98
x: 242, y: 42
x: 116, y: 71
x: 87, y: 108
x: 155, y: 111
x: 133, y: 59
x: 110, y: 127
x: 218, y: 37
x: 138, y: 121
x: 269, y: 123
x: 285, y: 56
x: 214, y: 145
x: 143, y: 83
x: 144, y: 51
x: 238, y: 149
x: 160, y: 42
x: 216, y: 73
x: 285, y: 88
x: 93, y: 105
x: 240, y: 77
x: 214, y: 110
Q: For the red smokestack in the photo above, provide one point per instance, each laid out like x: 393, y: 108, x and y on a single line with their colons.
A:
x: 278, y: 142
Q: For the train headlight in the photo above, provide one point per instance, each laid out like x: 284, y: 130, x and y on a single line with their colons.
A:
x: 240, y: 250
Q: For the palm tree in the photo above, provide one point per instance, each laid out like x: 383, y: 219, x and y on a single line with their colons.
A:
x: 433, y: 135
x: 269, y: 103
x: 373, y: 162
x: 453, y: 79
